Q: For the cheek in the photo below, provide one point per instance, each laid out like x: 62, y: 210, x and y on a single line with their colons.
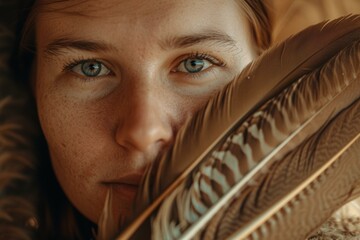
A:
x: 188, y: 105
x: 63, y: 123
x: 74, y: 152
x: 62, y: 133
x: 60, y: 122
x: 70, y: 135
x: 183, y: 108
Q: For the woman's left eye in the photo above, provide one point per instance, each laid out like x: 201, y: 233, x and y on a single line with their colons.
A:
x: 90, y: 68
x: 193, y: 65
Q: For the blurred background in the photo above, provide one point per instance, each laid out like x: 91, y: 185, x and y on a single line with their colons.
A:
x: 291, y: 16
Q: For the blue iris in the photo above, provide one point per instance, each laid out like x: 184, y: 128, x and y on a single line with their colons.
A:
x: 91, y: 68
x: 194, y: 65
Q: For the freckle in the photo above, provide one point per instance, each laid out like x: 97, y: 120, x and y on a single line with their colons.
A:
x: 63, y: 145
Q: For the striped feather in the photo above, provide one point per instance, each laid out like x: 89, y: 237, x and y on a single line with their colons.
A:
x: 310, y: 178
x: 244, y: 140
x: 308, y: 114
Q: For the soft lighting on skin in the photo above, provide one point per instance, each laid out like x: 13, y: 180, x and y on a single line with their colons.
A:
x: 159, y: 61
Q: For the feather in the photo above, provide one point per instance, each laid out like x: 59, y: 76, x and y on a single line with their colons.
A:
x: 16, y: 166
x: 107, y: 225
x: 345, y: 67
x: 317, y: 184
x: 285, y: 116
x: 221, y: 188
x: 224, y: 111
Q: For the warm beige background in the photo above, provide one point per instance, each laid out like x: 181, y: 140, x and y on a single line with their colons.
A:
x: 291, y: 16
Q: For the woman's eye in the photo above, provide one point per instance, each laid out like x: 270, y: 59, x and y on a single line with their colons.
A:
x: 91, y: 68
x: 193, y: 65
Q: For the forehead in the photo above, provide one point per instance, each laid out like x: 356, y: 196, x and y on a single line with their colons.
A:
x: 116, y: 7
x: 108, y: 8
x: 138, y: 14
x: 144, y: 26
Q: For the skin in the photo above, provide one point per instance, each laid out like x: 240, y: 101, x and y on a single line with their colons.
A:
x: 102, y: 131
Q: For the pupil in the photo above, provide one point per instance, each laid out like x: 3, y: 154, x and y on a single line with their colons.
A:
x: 91, y: 69
x: 194, y: 65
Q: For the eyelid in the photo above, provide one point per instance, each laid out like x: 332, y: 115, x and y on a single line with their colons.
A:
x: 208, y: 57
x: 198, y: 55
x: 68, y: 67
x: 203, y: 56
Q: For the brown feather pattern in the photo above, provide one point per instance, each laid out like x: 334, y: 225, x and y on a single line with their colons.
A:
x: 294, y: 106
x: 302, y: 53
x: 314, y: 166
x: 242, y: 136
x: 16, y: 168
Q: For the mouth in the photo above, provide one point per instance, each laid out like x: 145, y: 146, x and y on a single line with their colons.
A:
x: 123, y: 190
x: 125, y: 186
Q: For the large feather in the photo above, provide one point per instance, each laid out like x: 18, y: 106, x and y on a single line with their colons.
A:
x: 221, y: 178
x: 279, y: 120
x: 17, y: 148
x: 285, y: 63
x: 319, y: 177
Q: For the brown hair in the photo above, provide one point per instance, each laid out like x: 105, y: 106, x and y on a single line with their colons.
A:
x: 259, y: 21
x: 58, y: 219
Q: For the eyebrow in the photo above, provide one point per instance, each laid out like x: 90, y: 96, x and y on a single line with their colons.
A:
x: 200, y: 38
x: 57, y: 46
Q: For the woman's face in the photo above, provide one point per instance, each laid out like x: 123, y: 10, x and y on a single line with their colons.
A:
x: 116, y: 80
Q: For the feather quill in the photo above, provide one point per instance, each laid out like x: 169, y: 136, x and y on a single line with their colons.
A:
x: 331, y: 37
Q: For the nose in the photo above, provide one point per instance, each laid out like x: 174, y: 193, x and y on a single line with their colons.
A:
x: 145, y: 126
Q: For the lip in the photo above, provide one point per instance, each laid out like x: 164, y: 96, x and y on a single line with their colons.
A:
x: 122, y: 190
x: 131, y: 180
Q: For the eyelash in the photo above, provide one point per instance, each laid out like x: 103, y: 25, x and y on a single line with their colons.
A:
x: 206, y: 56
x: 68, y: 66
x: 198, y: 55
x: 201, y: 56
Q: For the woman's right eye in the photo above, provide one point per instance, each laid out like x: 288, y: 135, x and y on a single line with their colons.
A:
x: 89, y: 68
